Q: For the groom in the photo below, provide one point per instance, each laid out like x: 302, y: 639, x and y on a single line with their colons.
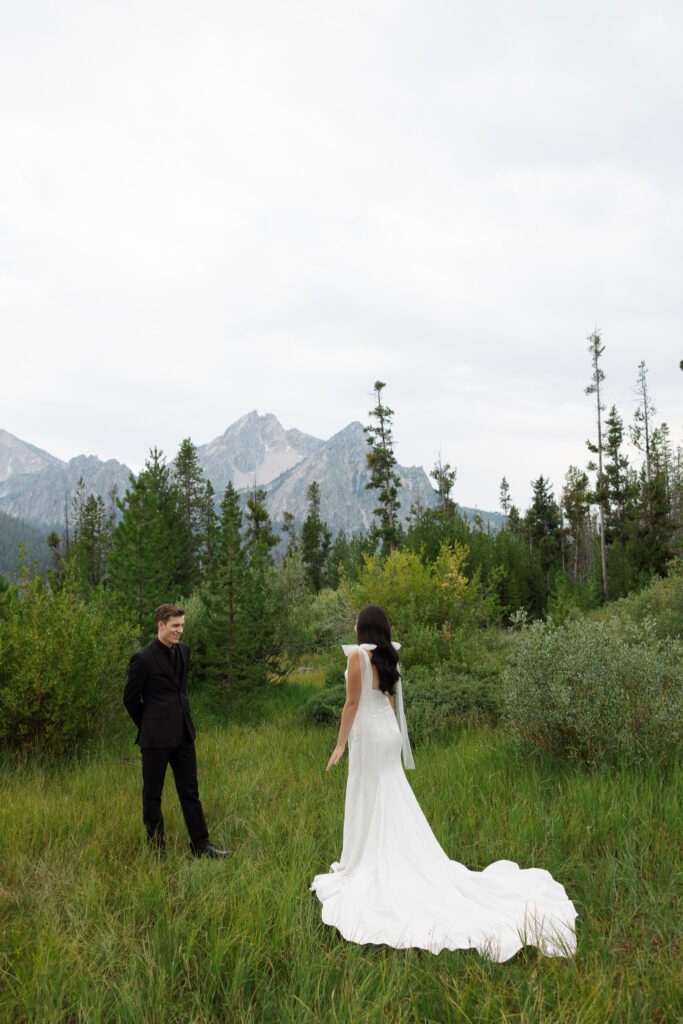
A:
x: 155, y: 697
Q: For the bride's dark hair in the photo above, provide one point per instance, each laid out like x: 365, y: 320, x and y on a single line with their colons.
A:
x: 373, y: 628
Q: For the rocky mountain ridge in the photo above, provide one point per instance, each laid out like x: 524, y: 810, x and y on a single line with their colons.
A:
x: 36, y: 485
x: 254, y: 450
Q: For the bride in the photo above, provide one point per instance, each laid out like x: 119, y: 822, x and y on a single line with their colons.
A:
x: 394, y: 884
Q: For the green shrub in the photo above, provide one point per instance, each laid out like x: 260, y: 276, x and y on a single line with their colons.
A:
x: 63, y: 662
x: 661, y: 601
x: 437, y: 701
x: 596, y: 692
x: 325, y: 706
x: 439, y: 595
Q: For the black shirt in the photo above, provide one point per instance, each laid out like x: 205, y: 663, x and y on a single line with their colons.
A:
x: 172, y: 654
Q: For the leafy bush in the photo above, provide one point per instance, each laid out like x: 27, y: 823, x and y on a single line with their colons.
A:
x: 596, y: 692
x: 325, y: 706
x: 438, y: 595
x: 63, y: 661
x: 439, y: 700
x: 661, y: 601
x: 436, y: 700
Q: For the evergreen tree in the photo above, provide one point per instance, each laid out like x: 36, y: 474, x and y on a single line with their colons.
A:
x: 596, y: 349
x: 654, y: 549
x: 620, y: 483
x: 260, y: 619
x: 290, y: 532
x: 542, y: 522
x: 650, y: 547
x: 55, y: 572
x: 315, y: 540
x: 225, y: 653
x: 208, y: 527
x: 641, y: 429
x: 188, y: 479
x: 576, y: 502
x: 340, y: 560
x: 445, y: 477
x: 91, y: 536
x: 383, y: 477
x: 145, y: 565
x: 260, y: 536
x: 514, y: 522
x: 505, y: 499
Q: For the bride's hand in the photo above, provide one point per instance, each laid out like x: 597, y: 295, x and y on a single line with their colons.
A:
x: 335, y: 758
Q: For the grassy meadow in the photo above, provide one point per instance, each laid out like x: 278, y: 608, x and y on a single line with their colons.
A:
x: 95, y: 928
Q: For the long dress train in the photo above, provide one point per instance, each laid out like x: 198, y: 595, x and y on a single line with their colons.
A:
x: 394, y: 884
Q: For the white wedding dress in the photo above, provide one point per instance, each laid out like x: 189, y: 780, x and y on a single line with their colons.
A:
x: 394, y: 885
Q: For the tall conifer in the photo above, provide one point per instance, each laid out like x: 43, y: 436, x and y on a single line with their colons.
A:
x: 145, y: 565
x: 381, y: 463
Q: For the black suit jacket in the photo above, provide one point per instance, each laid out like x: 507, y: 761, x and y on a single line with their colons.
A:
x: 156, y: 701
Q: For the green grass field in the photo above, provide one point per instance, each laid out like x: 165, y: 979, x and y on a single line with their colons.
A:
x: 93, y: 927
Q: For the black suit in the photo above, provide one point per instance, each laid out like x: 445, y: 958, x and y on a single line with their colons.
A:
x: 155, y: 697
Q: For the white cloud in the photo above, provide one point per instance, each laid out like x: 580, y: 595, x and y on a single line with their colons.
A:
x: 208, y: 209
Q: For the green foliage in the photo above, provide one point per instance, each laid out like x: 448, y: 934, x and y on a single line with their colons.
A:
x: 92, y: 527
x: 192, y: 498
x: 146, y: 561
x: 315, y: 540
x: 63, y: 661
x: 381, y: 462
x: 437, y: 595
x: 325, y: 706
x: 437, y: 700
x: 596, y: 692
x: 224, y: 649
x: 255, y: 618
x: 13, y: 533
x: 661, y: 604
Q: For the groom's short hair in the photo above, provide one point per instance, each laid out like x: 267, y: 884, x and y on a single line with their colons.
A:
x: 167, y: 611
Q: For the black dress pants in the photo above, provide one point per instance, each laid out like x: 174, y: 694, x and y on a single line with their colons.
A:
x: 183, y: 762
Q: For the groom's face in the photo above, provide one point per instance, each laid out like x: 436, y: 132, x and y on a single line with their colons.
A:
x: 171, y: 630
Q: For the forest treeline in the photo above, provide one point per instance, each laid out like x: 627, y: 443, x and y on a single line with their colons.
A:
x: 256, y: 598
x: 615, y: 523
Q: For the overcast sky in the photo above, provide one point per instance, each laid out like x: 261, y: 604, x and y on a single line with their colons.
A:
x: 207, y: 208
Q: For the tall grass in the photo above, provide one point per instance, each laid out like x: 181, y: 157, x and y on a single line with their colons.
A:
x: 93, y: 927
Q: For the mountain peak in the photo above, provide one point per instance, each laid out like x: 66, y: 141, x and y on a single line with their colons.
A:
x: 17, y: 456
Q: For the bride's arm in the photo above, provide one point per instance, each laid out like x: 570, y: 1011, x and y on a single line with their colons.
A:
x: 353, y: 691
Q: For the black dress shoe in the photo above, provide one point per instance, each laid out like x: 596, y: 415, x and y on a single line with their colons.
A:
x: 157, y: 844
x: 207, y: 850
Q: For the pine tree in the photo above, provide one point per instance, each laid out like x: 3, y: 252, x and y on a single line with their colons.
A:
x: 188, y: 479
x: 445, y: 477
x: 383, y: 477
x: 91, y: 536
x: 290, y: 532
x: 340, y: 560
x: 145, y: 565
x: 315, y: 540
x: 642, y: 426
x: 225, y: 655
x: 651, y: 548
x: 596, y: 349
x: 543, y: 525
x: 505, y: 499
x: 208, y: 527
x: 620, y: 485
x: 576, y: 502
x: 260, y: 535
x: 260, y: 623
